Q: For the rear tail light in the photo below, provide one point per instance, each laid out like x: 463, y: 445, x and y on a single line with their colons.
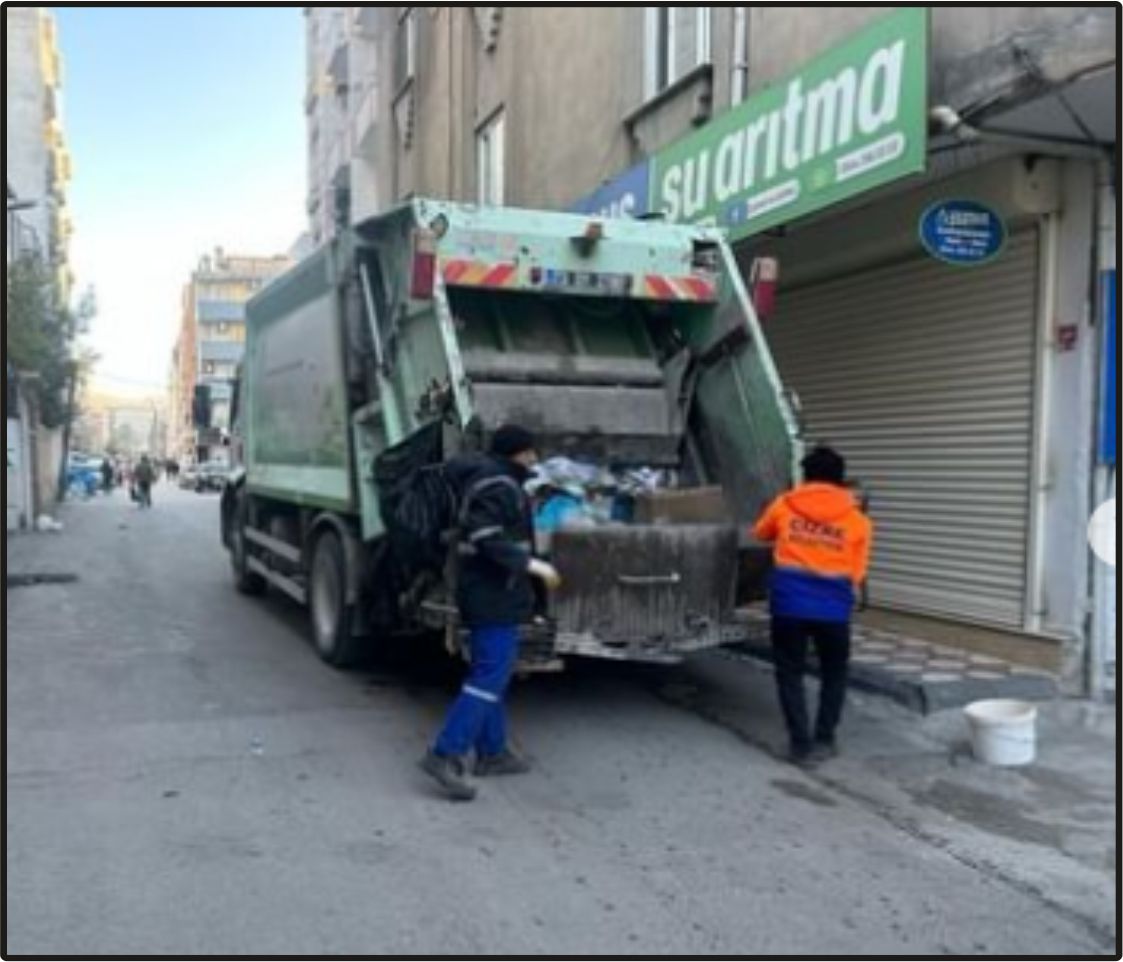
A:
x: 764, y: 274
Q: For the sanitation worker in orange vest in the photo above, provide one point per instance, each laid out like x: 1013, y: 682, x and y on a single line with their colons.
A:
x: 821, y: 555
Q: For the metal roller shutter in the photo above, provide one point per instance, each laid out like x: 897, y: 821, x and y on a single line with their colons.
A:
x: 923, y: 376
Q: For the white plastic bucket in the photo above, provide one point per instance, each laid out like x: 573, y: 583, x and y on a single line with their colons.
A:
x: 1003, y: 730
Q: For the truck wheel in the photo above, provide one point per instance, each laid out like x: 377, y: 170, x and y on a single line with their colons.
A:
x: 246, y: 581
x: 332, y: 618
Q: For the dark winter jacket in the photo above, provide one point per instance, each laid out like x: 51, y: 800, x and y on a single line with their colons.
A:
x: 143, y: 473
x: 496, y: 540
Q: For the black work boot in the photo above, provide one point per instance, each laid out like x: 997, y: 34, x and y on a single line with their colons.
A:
x: 505, y: 763
x: 823, y: 750
x: 449, y: 772
x: 800, y: 755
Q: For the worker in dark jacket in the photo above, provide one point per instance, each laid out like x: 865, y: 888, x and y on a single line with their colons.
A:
x: 821, y: 554
x: 494, y: 595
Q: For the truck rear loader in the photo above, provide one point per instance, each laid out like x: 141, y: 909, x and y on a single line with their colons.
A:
x: 411, y: 336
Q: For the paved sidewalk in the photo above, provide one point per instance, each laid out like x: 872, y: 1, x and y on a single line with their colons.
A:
x: 919, y: 673
x: 1048, y: 828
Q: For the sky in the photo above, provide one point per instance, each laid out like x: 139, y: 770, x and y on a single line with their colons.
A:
x: 186, y: 129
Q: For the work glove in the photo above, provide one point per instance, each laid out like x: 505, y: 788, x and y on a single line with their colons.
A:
x: 545, y: 571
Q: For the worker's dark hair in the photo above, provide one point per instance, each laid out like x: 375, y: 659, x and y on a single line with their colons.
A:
x: 510, y: 439
x: 824, y: 464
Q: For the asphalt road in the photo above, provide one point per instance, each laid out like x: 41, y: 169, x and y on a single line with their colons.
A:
x: 185, y: 777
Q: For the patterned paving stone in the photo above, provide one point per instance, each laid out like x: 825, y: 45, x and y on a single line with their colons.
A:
x: 985, y: 660
x: 947, y: 664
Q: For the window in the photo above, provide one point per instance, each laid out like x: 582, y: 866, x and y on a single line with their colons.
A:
x: 405, y: 48
x: 677, y: 39
x: 489, y: 161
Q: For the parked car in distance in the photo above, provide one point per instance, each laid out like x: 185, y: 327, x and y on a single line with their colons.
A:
x: 188, y: 474
x: 83, y: 474
x: 211, y: 475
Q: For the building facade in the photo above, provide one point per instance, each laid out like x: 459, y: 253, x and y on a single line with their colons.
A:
x: 967, y: 398
x: 340, y: 106
x: 119, y: 424
x: 37, y: 161
x: 209, y: 346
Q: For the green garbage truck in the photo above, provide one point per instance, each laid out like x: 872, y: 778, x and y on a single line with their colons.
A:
x: 630, y: 345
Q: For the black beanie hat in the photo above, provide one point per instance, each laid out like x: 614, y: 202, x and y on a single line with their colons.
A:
x: 510, y: 439
x: 824, y: 464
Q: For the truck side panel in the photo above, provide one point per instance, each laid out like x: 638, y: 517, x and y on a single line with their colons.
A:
x: 295, y: 386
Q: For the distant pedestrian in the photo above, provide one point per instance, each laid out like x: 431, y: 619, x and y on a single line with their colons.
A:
x: 106, y: 475
x: 171, y: 469
x: 821, y: 556
x: 495, y: 596
x: 143, y: 476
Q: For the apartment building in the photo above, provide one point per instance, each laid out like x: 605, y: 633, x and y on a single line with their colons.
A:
x: 938, y: 189
x: 210, y: 344
x: 340, y: 108
x: 37, y: 161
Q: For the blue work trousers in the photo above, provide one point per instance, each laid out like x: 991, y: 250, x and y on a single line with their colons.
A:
x: 477, y: 719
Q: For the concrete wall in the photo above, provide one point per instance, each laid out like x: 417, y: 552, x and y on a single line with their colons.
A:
x: 1069, y: 392
x: 48, y: 458
x: 18, y: 472
x: 973, y: 49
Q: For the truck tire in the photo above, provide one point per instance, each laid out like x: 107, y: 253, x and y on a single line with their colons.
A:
x: 331, y: 616
x: 246, y: 581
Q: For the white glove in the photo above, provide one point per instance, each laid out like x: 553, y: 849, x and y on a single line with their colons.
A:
x: 546, y: 571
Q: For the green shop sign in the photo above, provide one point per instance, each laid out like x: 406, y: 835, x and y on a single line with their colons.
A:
x: 851, y: 120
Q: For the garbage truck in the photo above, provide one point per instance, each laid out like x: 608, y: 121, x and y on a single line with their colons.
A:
x: 631, y: 345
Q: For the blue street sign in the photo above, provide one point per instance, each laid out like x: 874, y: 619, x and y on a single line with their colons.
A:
x: 624, y: 196
x: 962, y: 232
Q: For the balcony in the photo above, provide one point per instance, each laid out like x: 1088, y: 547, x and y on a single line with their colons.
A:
x: 52, y: 133
x: 339, y: 66
x: 220, y: 388
x: 221, y: 352
x: 311, y: 94
x: 220, y: 312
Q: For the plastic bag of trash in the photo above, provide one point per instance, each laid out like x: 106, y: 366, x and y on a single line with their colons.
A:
x: 562, y: 510
x: 637, y: 480
x: 566, y: 474
x: 46, y: 523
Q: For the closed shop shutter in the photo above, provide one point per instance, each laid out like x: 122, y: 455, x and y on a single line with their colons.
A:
x: 922, y: 375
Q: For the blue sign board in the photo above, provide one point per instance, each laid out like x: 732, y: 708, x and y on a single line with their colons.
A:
x: 1109, y: 425
x: 962, y: 232
x: 623, y: 196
